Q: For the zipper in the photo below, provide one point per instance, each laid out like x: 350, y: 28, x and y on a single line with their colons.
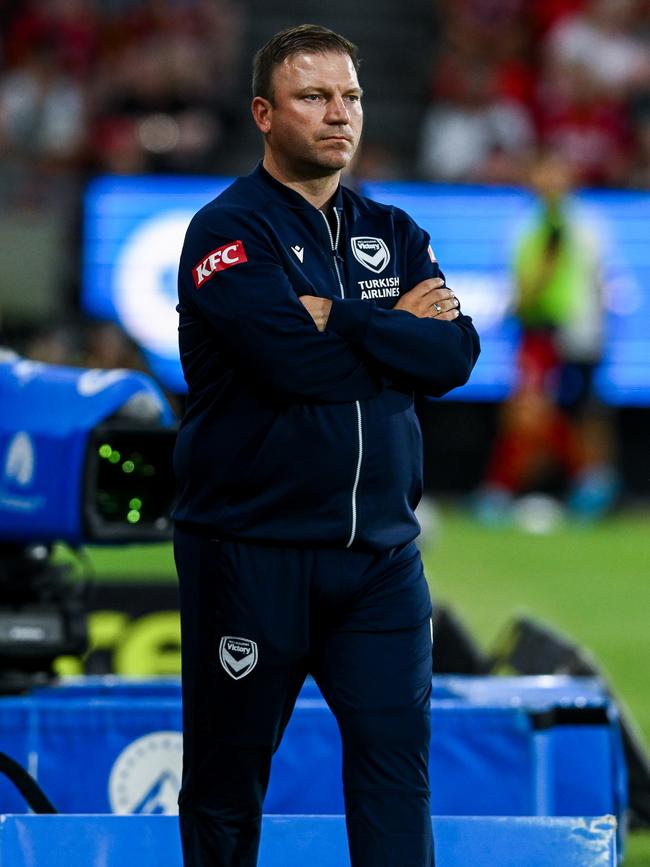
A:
x: 334, y: 244
x: 335, y: 249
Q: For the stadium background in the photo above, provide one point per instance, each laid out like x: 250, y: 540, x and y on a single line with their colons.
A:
x: 130, y: 88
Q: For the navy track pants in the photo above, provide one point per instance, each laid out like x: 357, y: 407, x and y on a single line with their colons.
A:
x: 255, y: 620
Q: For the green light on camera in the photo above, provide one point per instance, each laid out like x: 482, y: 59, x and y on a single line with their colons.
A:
x: 105, y: 451
x: 135, y: 503
x: 128, y: 466
x: 133, y: 517
x: 114, y: 457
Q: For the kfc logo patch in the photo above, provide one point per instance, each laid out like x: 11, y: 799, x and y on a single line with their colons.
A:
x: 218, y: 260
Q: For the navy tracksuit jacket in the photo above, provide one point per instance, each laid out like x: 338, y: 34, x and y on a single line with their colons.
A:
x: 268, y: 392
x: 300, y: 465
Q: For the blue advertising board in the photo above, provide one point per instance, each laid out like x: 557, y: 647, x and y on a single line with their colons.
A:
x: 134, y: 230
x: 498, y: 747
x: 293, y: 841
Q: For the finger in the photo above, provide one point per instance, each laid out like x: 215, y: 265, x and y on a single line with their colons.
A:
x: 444, y: 306
x: 445, y: 310
x: 442, y: 296
x: 434, y: 285
x: 443, y: 293
x: 448, y: 316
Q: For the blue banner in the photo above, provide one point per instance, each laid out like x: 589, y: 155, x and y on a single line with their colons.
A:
x: 134, y: 230
x: 116, y: 747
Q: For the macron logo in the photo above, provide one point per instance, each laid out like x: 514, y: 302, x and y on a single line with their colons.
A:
x: 218, y: 260
x: 299, y: 251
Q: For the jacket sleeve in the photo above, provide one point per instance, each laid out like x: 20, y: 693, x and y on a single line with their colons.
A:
x: 230, y: 277
x: 426, y: 355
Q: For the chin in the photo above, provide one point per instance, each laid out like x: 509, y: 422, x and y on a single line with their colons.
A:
x: 335, y: 161
x: 338, y: 165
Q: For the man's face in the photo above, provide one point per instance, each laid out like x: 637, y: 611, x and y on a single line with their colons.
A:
x: 314, y: 124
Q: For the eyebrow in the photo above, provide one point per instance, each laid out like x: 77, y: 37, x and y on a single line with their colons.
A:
x: 320, y: 89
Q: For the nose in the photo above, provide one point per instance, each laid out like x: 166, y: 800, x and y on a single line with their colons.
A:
x: 337, y: 111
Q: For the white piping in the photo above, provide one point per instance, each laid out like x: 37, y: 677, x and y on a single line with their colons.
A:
x: 356, y: 478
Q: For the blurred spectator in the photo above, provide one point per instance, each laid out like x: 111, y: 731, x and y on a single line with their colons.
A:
x: 69, y: 26
x: 41, y: 123
x: 478, y: 126
x: 603, y: 38
x: 596, y: 67
x: 475, y: 134
x: 590, y: 129
x: 552, y: 422
x: 157, y: 97
x: 160, y: 96
x: 495, y: 32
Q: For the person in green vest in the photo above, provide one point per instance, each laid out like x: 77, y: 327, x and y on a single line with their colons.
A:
x: 552, y: 424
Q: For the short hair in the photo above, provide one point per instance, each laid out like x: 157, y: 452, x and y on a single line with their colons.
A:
x: 310, y: 38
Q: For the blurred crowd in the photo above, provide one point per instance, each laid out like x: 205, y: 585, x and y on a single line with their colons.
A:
x: 132, y: 86
x: 123, y: 86
x: 514, y: 76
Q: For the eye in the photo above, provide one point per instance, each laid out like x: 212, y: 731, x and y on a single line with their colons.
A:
x: 353, y: 97
x: 312, y: 97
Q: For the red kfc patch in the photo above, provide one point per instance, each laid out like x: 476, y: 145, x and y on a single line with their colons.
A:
x: 224, y: 257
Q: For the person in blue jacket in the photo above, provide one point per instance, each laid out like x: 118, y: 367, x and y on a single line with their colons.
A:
x: 310, y: 317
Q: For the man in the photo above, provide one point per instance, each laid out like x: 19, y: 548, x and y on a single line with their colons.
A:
x: 308, y: 317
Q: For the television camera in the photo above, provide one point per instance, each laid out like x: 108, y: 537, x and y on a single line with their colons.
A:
x: 85, y: 458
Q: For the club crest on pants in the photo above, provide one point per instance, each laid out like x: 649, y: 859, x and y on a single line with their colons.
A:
x: 238, y: 656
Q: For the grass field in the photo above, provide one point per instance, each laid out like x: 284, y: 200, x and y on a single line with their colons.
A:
x: 589, y: 582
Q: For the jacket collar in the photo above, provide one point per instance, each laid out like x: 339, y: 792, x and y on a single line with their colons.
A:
x: 289, y: 196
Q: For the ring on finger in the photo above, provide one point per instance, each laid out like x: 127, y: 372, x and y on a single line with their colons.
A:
x: 437, y: 308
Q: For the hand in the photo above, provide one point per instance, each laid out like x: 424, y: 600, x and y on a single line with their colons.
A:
x: 318, y: 309
x: 430, y: 299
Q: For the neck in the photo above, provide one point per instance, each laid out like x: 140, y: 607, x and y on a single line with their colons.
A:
x: 318, y: 190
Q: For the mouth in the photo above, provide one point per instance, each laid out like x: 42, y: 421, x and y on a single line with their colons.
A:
x: 337, y: 136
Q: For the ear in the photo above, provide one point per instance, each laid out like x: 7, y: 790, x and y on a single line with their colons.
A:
x: 262, y: 112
